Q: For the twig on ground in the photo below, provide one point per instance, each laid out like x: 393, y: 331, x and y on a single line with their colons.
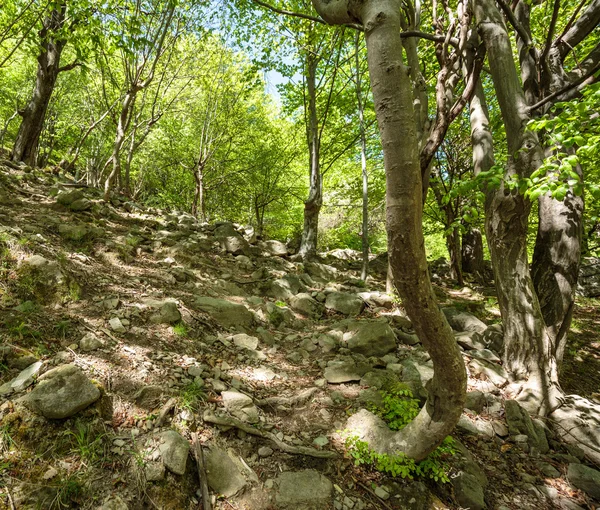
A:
x: 199, y: 456
x: 210, y: 417
x: 164, y: 411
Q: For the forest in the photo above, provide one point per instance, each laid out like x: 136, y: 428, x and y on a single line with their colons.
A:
x: 303, y: 254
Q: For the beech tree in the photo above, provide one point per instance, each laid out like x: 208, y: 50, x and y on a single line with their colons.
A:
x: 393, y: 100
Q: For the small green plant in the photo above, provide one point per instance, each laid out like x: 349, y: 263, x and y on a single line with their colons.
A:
x: 6, y: 440
x: 280, y: 304
x: 61, y: 328
x: 399, y: 408
x: 180, y: 329
x: 133, y: 240
x: 69, y: 490
x: 434, y: 466
x: 191, y: 395
x: 26, y: 307
x: 22, y: 330
x: 86, y: 442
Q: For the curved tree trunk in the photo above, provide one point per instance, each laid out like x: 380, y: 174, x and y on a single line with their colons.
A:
x: 28, y: 138
x: 393, y: 98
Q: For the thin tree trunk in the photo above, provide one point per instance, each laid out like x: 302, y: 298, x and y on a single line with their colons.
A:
x: 312, y: 205
x: 28, y: 138
x: 363, y: 160
x: 454, y: 250
x: 472, y: 254
x: 199, y: 203
x: 392, y: 94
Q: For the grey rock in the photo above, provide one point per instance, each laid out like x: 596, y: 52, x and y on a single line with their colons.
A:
x: 154, y: 471
x: 519, y: 422
x: 168, y: 314
x: 370, y: 338
x: 342, y: 302
x: 173, y: 450
x: 417, y: 375
x: 345, y: 371
x: 61, y: 393
x: 468, y: 492
x: 265, y: 451
x: 149, y: 396
x: 585, y: 478
x: 493, y: 338
x: 236, y: 245
x: 23, y: 380
x: 83, y: 204
x: 116, y: 325
x: 240, y: 406
x: 73, y: 232
x: 469, y: 340
x: 222, y: 473
x: 225, y: 229
x: 113, y: 503
x: 90, y: 342
x: 495, y: 373
x: 306, y: 305
x: 321, y: 271
x: 47, y: 282
x: 303, y: 490
x: 382, y: 493
x: 244, y: 341
x: 275, y: 248
x: 407, y: 338
x: 475, y: 401
x: 380, y: 379
x: 377, y: 299
x: 463, y: 321
x: 226, y: 313
x: 475, y: 427
x: 68, y: 197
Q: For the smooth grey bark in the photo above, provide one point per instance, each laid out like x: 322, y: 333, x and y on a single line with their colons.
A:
x: 528, y: 348
x: 27, y: 142
x: 314, y: 202
x: 363, y: 163
x: 393, y: 99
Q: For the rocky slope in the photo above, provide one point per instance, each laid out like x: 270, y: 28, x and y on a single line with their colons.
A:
x: 133, y: 340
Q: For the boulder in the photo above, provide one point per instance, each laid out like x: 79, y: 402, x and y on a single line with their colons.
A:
x: 345, y: 371
x: 306, y: 305
x: 463, y: 321
x: 370, y: 338
x: 495, y: 373
x: 586, y: 479
x: 275, y: 248
x: 42, y: 280
x: 244, y: 341
x: 73, y: 232
x: 469, y: 340
x: 320, y: 271
x: 61, y: 393
x: 167, y: 314
x: 236, y: 245
x: 240, y: 406
x: 416, y: 375
x: 303, y: 490
x: 342, y: 302
x: 287, y: 287
x: 493, y: 338
x: 225, y: 229
x: 90, y: 342
x: 83, y: 204
x: 222, y: 473
x: 377, y: 299
x: 173, y: 450
x: 226, y: 313
x: 66, y: 198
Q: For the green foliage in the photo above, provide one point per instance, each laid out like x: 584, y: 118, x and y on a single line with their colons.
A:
x: 62, y: 328
x: 398, y: 409
x: 191, y: 395
x: 180, y: 329
x: 68, y: 491
x: 86, y: 442
x: 434, y: 467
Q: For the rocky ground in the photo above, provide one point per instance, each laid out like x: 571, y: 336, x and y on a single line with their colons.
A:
x: 141, y: 347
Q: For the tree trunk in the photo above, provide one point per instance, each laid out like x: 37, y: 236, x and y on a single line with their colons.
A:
x: 122, y: 124
x: 472, y: 254
x: 312, y: 206
x: 199, y: 205
x: 528, y: 352
x: 454, y: 250
x: 392, y: 94
x: 363, y: 160
x: 28, y: 138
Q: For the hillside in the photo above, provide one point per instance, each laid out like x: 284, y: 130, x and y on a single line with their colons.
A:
x: 140, y: 346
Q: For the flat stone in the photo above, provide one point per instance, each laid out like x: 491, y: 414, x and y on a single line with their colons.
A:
x: 585, y: 478
x: 469, y: 340
x: 475, y: 427
x: 23, y: 380
x: 303, y: 490
x: 463, y: 321
x: 174, y: 450
x: 495, y: 373
x: 226, y: 313
x: 73, y: 232
x: 370, y: 338
x: 244, y: 341
x: 345, y: 303
x: 168, y: 314
x: 116, y: 325
x: 90, y: 342
x: 223, y: 475
x: 519, y: 422
x: 303, y: 303
x: 265, y: 451
x: 61, y: 393
x: 240, y: 406
x: 344, y: 371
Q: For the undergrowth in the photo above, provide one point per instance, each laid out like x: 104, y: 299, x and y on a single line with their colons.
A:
x: 399, y: 408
